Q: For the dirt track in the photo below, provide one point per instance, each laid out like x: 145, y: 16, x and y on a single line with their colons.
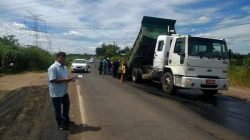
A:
x: 26, y: 111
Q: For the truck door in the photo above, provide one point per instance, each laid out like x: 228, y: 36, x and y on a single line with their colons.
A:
x: 178, y: 55
x: 159, y: 54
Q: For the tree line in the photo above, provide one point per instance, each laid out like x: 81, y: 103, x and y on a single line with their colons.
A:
x: 113, y: 51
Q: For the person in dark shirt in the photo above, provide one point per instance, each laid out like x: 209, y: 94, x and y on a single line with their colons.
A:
x: 116, y: 66
x: 100, y: 67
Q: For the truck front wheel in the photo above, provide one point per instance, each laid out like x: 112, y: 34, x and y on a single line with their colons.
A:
x: 136, y: 75
x: 168, y: 83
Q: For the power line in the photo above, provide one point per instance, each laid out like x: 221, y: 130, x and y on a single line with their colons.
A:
x: 220, y: 27
x: 226, y: 19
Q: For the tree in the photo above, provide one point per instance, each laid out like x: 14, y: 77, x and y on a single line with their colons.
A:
x: 9, y: 41
x: 126, y: 50
x: 107, y: 50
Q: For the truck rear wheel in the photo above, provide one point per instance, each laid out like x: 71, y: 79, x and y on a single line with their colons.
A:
x: 136, y: 75
x: 210, y: 92
x: 168, y: 83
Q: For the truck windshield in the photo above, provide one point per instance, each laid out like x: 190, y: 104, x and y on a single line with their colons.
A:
x: 204, y: 47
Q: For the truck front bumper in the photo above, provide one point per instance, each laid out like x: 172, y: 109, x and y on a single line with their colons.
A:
x: 201, y: 83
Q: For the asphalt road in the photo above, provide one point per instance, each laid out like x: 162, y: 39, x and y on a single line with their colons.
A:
x: 128, y: 111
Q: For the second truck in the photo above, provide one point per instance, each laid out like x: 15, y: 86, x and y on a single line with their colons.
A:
x: 178, y: 61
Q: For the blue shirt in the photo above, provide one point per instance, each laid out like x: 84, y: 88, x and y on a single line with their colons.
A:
x: 58, y: 71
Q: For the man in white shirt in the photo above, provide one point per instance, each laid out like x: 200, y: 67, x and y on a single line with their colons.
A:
x: 58, y: 89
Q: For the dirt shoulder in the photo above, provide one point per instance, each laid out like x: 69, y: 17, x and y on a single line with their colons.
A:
x: 11, y: 82
x: 26, y: 111
x: 238, y: 92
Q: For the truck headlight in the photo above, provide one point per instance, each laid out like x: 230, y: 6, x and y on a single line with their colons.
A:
x: 178, y: 80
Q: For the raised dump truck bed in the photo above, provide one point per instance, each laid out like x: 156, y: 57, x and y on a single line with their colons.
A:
x: 144, y: 46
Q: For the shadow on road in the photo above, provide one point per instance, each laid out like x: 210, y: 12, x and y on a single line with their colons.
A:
x: 184, y: 95
x: 196, y: 95
x: 228, y: 112
x: 79, y: 128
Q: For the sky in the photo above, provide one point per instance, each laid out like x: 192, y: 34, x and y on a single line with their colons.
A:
x: 79, y: 26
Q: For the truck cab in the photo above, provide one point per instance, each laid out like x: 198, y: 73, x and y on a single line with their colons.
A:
x: 191, y: 62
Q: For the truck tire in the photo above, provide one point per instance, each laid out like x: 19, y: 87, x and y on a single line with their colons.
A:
x: 210, y: 92
x: 136, y: 75
x: 168, y: 83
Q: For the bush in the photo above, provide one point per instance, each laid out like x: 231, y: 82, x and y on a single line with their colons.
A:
x: 14, y: 58
x: 239, y: 76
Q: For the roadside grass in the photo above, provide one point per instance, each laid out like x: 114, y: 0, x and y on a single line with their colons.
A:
x: 239, y: 76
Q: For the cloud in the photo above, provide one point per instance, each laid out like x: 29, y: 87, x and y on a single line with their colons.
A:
x: 81, y: 25
x: 203, y: 19
x: 72, y: 33
x: 246, y: 8
x: 19, y: 25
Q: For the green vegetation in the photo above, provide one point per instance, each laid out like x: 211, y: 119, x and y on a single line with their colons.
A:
x: 239, y: 70
x: 113, y: 51
x: 239, y: 76
x: 14, y: 58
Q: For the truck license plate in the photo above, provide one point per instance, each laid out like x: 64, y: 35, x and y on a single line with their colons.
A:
x: 210, y: 82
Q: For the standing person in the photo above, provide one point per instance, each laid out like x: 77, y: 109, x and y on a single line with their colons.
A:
x: 105, y: 64
x: 116, y: 66
x: 100, y: 67
x: 123, y: 72
x: 58, y: 89
x: 109, y: 66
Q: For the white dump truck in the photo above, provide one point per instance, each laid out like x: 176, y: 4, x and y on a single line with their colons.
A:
x: 178, y: 61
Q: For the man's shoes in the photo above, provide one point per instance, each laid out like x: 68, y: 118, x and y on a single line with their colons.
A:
x: 71, y: 122
x: 63, y: 127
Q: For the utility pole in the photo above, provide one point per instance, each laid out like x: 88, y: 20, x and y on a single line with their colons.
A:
x: 49, y: 40
x: 50, y: 45
x: 36, y: 18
